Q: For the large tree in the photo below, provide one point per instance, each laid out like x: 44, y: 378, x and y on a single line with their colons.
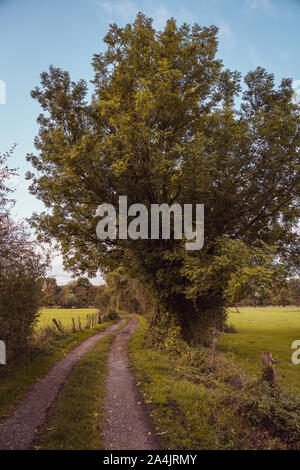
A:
x: 167, y: 123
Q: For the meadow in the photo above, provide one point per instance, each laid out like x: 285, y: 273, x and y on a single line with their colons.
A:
x: 261, y: 329
x: 196, y: 406
x: 257, y: 329
x: 64, y: 315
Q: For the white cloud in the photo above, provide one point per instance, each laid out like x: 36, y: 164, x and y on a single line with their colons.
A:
x: 121, y: 9
x: 254, y: 56
x: 225, y: 31
x: 61, y: 276
x: 127, y: 10
x: 265, y: 6
x: 17, y: 181
x: 160, y: 17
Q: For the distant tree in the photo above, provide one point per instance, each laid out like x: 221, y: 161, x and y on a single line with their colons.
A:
x: 83, y: 282
x: 294, y: 287
x: 285, y: 292
x: 81, y: 296
x: 69, y: 300
x: 92, y: 293
x: 49, y: 296
x: 50, y: 281
x: 60, y: 296
x: 5, y: 175
x: 49, y: 291
x: 102, y: 298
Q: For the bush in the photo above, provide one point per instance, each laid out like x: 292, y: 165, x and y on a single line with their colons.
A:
x: 111, y: 311
x: 19, y: 304
x: 229, y: 328
x: 21, y: 277
x: 275, y: 411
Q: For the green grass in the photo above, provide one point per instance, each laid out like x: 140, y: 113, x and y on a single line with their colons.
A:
x: 76, y: 421
x: 16, y: 379
x: 192, y: 407
x: 261, y: 329
x: 64, y: 315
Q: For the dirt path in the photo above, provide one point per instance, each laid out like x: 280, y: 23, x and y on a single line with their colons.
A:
x: 19, y: 431
x: 128, y: 425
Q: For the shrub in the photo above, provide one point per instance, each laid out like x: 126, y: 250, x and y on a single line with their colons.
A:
x: 111, y: 311
x: 275, y: 411
x: 21, y: 280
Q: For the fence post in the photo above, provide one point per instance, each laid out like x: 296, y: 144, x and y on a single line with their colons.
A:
x: 269, y: 370
x: 88, y: 322
x: 213, y: 348
x: 73, y: 327
x: 2, y: 353
x: 57, y: 325
x: 79, y: 324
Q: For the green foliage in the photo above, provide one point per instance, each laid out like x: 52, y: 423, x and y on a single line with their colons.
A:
x: 49, y: 292
x: 102, y: 299
x: 80, y: 293
x: 162, y: 127
x: 5, y: 174
x: 194, y: 406
x: 111, y: 311
x: 281, y: 292
x: 19, y: 305
x: 131, y: 294
x: 279, y: 413
x: 165, y: 333
x: 22, y: 269
x: 69, y: 300
x: 122, y: 293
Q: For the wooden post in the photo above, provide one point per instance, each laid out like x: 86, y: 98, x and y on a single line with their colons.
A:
x: 269, y: 370
x: 57, y: 325
x: 2, y: 353
x: 79, y: 324
x: 213, y: 348
x: 99, y: 317
x: 73, y: 325
x: 88, y: 322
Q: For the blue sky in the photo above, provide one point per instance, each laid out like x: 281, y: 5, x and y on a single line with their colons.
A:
x: 66, y: 33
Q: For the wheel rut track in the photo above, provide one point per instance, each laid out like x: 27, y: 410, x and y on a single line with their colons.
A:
x: 128, y: 426
x: 20, y: 430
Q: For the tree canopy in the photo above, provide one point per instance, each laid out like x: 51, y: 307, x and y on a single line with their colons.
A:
x: 168, y: 123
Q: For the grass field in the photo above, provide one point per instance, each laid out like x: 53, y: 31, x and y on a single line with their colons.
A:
x: 261, y: 329
x: 64, y: 316
x: 195, y: 407
x: 258, y: 329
